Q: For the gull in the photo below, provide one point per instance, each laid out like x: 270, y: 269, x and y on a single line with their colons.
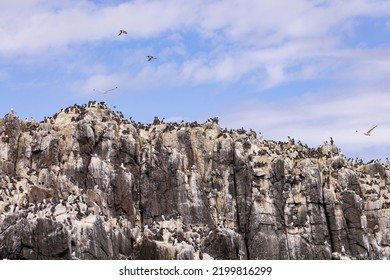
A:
x: 369, y: 131
x: 150, y: 57
x: 106, y: 91
x: 122, y: 32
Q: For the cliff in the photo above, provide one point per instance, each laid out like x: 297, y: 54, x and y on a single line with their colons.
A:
x: 89, y: 184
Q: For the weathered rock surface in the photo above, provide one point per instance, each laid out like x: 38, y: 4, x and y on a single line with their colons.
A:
x: 89, y: 184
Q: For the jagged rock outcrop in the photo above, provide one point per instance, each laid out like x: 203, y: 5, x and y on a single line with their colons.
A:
x: 89, y: 184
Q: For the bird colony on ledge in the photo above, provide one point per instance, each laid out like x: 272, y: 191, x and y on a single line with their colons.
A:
x: 87, y: 183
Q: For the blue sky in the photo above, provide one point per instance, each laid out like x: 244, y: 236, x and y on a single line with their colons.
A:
x: 309, y: 69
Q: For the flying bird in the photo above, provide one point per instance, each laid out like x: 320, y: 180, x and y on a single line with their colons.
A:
x: 122, y: 32
x: 105, y: 91
x: 369, y: 131
x: 150, y: 57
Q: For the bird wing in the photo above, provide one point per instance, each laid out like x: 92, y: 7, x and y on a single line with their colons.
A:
x: 111, y: 89
x: 105, y: 91
x: 372, y: 129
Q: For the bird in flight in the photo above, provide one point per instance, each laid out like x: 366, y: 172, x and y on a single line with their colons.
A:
x: 122, y: 32
x: 369, y: 131
x: 150, y: 57
x: 105, y: 91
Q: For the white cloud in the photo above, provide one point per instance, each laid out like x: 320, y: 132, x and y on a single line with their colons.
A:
x: 368, y: 66
x: 264, y: 68
x: 56, y: 26
x: 100, y: 83
x: 149, y: 77
x: 259, y: 39
x: 317, y: 116
x: 42, y: 23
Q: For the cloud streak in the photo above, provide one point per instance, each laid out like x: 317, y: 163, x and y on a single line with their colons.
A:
x: 317, y: 116
x: 261, y: 39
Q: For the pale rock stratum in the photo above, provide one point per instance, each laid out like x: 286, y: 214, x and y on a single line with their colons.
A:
x: 89, y: 184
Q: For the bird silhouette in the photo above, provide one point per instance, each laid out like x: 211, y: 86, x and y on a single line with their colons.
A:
x: 105, y: 91
x: 150, y: 57
x: 122, y: 32
x: 369, y: 131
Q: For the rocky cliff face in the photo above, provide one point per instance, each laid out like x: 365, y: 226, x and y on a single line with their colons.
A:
x: 89, y: 184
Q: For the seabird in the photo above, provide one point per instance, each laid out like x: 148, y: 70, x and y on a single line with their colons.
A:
x: 30, y: 215
x: 150, y: 57
x: 122, y: 32
x: 106, y: 91
x: 369, y: 131
x: 73, y: 256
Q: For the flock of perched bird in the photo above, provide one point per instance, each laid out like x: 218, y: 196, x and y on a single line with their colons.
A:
x: 74, y: 206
